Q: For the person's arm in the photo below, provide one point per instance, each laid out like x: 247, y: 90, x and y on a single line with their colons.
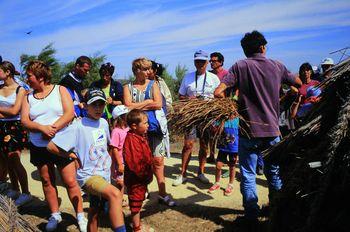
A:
x: 14, y: 110
x: 294, y: 107
x: 68, y: 109
x: 117, y: 158
x: 220, y: 90
x: 133, y: 105
x: 229, y: 80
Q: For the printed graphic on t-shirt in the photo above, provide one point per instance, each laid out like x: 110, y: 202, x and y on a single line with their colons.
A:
x: 99, y: 137
x: 97, y: 154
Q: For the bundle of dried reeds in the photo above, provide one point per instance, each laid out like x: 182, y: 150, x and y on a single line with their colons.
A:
x: 10, y: 220
x: 201, y: 114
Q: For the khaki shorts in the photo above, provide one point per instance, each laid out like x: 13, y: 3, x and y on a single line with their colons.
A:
x: 95, y: 185
x: 157, y: 143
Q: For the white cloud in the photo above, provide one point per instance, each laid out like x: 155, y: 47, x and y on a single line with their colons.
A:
x: 173, y: 33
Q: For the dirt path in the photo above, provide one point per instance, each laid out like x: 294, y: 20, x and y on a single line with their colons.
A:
x: 197, y: 210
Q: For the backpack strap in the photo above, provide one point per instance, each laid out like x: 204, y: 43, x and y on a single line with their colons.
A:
x: 18, y: 88
x: 148, y: 89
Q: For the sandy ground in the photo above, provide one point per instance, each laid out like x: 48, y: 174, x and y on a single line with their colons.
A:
x: 196, y: 211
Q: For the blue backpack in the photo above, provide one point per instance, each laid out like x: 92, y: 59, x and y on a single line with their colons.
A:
x: 153, y: 123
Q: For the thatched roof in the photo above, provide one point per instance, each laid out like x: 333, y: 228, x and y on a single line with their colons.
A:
x: 315, y: 164
x: 10, y: 219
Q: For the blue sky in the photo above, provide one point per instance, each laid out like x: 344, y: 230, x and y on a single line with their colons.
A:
x: 171, y: 31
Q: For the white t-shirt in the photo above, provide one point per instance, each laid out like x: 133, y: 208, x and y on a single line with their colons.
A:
x: 88, y: 139
x: 190, y: 87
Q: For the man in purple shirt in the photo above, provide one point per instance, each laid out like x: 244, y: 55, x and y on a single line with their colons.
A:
x: 259, y: 81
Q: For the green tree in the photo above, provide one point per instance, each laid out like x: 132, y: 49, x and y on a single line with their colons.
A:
x: 170, y: 82
x: 47, y: 55
x: 180, y: 72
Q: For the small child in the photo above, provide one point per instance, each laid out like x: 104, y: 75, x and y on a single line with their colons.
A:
x: 138, y: 164
x: 228, y: 146
x: 88, y: 138
x: 117, y: 142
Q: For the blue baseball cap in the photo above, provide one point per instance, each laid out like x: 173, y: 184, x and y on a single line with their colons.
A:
x: 200, y: 55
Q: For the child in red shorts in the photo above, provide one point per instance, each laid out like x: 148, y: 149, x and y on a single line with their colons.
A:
x: 138, y: 163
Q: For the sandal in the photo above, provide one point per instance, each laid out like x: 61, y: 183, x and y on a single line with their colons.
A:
x: 143, y: 228
x: 228, y: 190
x: 166, y: 201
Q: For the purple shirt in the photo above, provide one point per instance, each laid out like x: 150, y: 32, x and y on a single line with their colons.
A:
x: 220, y: 74
x: 259, y: 81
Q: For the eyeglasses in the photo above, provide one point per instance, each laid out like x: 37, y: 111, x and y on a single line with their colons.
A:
x: 213, y: 61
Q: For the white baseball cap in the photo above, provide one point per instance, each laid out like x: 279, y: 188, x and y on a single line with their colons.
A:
x: 327, y: 61
x: 119, y: 110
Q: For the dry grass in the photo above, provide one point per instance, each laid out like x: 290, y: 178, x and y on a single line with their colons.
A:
x: 201, y: 114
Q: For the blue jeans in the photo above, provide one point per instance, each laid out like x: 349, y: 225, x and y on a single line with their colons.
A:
x: 248, y: 151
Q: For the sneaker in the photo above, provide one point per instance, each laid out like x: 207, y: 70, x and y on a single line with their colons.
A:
x: 179, y: 180
x: 214, y: 187
x: 228, y: 190
x: 166, y: 201
x: 259, y: 170
x: 12, y: 194
x: 23, y: 199
x: 203, y: 178
x: 83, y: 222
x: 53, y: 223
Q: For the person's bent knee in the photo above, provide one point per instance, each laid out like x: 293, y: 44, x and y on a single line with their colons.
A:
x: 112, y: 193
x: 188, y: 144
x: 158, y: 161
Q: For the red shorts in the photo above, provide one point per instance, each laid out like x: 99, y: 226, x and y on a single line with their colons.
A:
x: 136, y: 195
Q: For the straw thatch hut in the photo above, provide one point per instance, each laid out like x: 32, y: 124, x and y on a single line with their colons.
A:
x: 315, y: 164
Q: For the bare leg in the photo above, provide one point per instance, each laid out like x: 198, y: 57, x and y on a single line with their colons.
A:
x: 3, y: 168
x: 186, y: 155
x: 68, y: 177
x: 93, y: 220
x: 203, y: 151
x: 47, y: 174
x: 218, y: 171
x: 20, y: 172
x: 115, y: 198
x: 158, y: 169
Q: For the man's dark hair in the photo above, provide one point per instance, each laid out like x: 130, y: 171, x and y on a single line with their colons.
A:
x: 251, y: 43
x: 219, y: 56
x: 83, y: 60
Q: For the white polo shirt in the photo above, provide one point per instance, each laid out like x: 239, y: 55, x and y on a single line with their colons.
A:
x: 192, y: 86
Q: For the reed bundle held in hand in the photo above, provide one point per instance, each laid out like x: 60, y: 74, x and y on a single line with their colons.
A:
x: 202, y: 114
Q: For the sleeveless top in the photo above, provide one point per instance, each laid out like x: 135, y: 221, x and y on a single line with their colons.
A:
x: 138, y: 95
x: 9, y: 101
x: 44, y: 111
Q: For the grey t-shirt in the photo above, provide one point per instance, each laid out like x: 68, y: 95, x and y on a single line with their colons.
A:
x: 259, y: 81
x: 89, y: 139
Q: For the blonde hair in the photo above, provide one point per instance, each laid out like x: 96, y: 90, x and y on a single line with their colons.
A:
x: 141, y: 63
x: 40, y: 70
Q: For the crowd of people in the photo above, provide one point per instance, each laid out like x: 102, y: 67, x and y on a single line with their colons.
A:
x: 110, y: 139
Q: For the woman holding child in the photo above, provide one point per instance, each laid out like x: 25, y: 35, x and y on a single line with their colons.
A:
x: 45, y: 111
x: 145, y: 94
